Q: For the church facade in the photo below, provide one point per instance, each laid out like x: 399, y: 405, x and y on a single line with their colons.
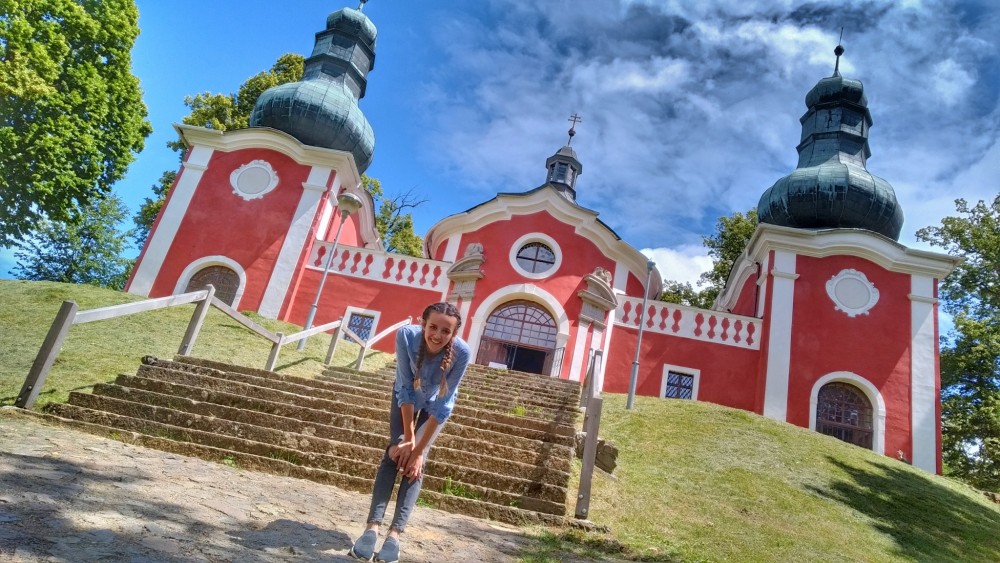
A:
x: 826, y: 322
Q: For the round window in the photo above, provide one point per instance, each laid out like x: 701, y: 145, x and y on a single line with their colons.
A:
x: 535, y: 258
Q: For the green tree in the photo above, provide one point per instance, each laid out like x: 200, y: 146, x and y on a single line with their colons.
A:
x: 683, y: 293
x: 150, y: 207
x: 970, y: 357
x: 87, y: 251
x: 725, y: 245
x: 71, y: 112
x: 226, y: 112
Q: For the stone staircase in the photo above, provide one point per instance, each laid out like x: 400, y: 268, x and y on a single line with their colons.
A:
x: 505, y: 453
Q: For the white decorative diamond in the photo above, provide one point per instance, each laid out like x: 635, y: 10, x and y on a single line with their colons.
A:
x: 852, y: 293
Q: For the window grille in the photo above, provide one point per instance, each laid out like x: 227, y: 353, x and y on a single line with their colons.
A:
x: 361, y: 325
x: 223, y: 279
x: 679, y: 385
x: 844, y: 412
x: 535, y: 258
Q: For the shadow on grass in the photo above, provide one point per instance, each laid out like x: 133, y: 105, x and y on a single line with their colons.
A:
x: 299, y: 362
x: 928, y: 521
x: 578, y: 546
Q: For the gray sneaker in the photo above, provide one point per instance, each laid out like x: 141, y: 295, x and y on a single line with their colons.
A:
x: 390, y: 551
x: 364, y: 548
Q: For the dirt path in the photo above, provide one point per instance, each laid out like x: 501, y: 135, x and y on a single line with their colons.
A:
x: 70, y: 496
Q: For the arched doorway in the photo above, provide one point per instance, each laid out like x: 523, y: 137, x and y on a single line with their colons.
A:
x: 520, y: 335
x: 225, y: 281
x: 844, y: 412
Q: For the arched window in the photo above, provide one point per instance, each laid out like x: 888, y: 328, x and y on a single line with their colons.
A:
x: 520, y: 335
x: 844, y: 412
x: 225, y: 281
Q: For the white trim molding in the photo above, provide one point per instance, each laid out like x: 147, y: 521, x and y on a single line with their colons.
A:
x: 820, y: 243
x: 162, y: 236
x: 540, y: 238
x: 695, y: 373
x: 295, y: 241
x: 924, y: 392
x: 779, y: 349
x: 206, y: 261
x: 866, y: 387
x: 544, y: 199
x: 580, y: 349
x: 526, y: 292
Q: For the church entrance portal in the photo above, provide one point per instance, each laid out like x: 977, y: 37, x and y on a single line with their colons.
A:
x: 521, y: 336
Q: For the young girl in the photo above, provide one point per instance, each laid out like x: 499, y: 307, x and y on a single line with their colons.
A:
x: 430, y: 363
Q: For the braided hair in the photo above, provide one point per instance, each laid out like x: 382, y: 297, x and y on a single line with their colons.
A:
x: 448, y: 310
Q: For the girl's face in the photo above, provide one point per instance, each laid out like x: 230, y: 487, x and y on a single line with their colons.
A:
x: 438, y: 331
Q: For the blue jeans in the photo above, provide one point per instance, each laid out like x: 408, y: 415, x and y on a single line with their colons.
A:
x: 385, y: 479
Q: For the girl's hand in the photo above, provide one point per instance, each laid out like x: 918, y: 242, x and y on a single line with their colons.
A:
x: 400, y: 453
x: 414, y: 466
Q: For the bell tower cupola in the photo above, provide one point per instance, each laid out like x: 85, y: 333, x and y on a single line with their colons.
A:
x: 831, y: 187
x: 564, y: 167
x: 321, y: 110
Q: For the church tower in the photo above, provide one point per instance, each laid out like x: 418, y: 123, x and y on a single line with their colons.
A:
x: 849, y: 314
x: 321, y: 110
x: 249, y: 205
x: 831, y: 186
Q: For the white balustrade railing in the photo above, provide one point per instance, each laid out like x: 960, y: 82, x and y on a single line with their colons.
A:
x: 691, y: 322
x: 397, y: 269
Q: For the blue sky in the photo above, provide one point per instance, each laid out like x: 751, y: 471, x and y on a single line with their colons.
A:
x: 690, y: 108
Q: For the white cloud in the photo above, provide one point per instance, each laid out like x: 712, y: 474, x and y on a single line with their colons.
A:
x: 951, y: 81
x: 683, y: 264
x: 691, y: 109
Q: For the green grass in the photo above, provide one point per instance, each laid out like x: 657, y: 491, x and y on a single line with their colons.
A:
x: 97, y: 352
x: 700, y: 482
x: 456, y: 489
x: 695, y: 482
x: 289, y: 456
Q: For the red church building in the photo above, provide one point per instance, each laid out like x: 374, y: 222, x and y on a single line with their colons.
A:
x: 827, y: 322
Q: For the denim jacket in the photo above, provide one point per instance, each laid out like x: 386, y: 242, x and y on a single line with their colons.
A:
x: 408, y: 340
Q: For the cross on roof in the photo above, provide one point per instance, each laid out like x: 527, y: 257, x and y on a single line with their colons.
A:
x: 574, y: 119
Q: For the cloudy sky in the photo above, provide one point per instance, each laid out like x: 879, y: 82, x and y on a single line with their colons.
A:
x: 690, y: 108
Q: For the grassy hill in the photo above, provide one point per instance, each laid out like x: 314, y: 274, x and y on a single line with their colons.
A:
x: 695, y: 482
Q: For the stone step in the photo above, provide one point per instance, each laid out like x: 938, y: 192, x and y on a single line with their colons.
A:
x: 509, y: 513
x: 291, y: 391
x: 308, y: 451
x: 351, y: 416
x: 187, y: 413
x: 498, y: 398
x: 532, y: 383
x: 526, y: 408
x: 379, y: 390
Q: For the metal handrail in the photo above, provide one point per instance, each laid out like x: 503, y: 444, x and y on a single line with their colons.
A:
x: 69, y: 315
